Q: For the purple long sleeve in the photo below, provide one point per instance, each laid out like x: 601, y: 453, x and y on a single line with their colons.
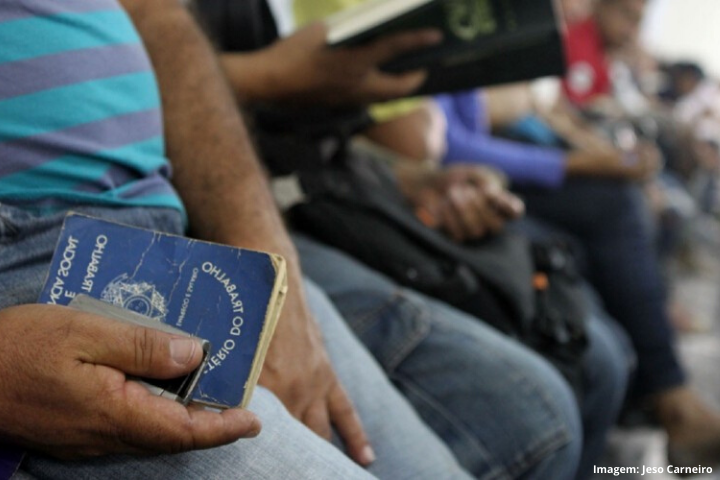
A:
x: 469, y: 141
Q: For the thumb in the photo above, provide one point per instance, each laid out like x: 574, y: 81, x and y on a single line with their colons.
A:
x: 137, y: 350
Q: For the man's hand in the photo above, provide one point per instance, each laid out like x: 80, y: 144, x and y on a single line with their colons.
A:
x: 298, y: 371
x: 466, y: 201
x: 64, y: 391
x: 303, y: 69
x: 228, y: 201
x: 641, y: 165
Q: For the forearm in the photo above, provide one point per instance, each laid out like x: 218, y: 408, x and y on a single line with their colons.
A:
x: 215, y: 169
x: 253, y: 77
x: 228, y: 201
x: 523, y: 164
x: 469, y: 142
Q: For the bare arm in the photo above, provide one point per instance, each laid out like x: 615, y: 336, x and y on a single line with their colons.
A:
x: 215, y: 170
x: 228, y: 201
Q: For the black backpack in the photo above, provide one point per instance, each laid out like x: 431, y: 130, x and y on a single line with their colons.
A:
x: 530, y: 291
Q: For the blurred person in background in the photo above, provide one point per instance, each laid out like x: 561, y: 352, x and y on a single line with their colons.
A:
x: 600, y: 204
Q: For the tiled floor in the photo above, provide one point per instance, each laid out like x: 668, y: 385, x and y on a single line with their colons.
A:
x: 700, y: 293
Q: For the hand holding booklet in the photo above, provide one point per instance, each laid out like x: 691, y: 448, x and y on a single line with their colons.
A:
x: 486, y: 42
x: 227, y: 297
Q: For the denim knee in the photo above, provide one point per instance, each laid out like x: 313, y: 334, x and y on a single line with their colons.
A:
x: 505, y: 411
x: 284, y: 449
x: 607, y: 368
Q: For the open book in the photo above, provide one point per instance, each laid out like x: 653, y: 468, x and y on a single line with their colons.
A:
x: 228, y: 296
x: 485, y: 42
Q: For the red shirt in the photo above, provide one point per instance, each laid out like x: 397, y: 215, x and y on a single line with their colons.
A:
x: 588, y: 74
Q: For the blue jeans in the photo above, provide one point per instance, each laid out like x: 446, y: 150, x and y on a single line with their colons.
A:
x: 503, y: 410
x: 405, y: 446
x: 611, y: 222
x: 607, y: 368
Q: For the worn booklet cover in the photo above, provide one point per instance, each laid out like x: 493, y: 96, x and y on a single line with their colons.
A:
x: 228, y: 296
x: 485, y: 42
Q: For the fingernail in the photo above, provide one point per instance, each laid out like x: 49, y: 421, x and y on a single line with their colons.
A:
x: 256, y: 429
x: 367, y: 455
x: 182, y: 350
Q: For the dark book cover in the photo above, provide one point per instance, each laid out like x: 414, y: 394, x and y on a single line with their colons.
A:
x: 485, y: 42
x: 228, y: 296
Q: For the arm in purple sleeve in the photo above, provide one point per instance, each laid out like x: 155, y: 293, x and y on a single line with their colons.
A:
x: 468, y: 141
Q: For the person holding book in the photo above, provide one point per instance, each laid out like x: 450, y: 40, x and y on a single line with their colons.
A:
x: 597, y: 179
x: 594, y: 196
x: 255, y: 75
x: 79, y: 132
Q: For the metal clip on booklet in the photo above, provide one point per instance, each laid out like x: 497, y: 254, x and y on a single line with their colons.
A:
x: 230, y: 298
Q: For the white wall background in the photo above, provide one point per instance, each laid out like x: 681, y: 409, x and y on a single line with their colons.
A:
x: 685, y: 29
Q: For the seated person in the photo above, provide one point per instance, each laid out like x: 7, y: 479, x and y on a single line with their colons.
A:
x: 318, y: 77
x: 594, y: 197
x: 79, y: 132
x: 468, y: 139
x: 598, y: 81
x: 608, y: 216
x: 612, y: 25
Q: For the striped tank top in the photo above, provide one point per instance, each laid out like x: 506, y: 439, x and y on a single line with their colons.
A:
x: 80, y: 113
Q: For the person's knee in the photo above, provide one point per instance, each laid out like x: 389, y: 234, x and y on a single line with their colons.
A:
x: 563, y: 462
x: 539, y: 426
x: 561, y: 457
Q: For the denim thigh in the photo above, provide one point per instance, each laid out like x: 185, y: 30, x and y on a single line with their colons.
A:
x: 406, y: 448
x: 504, y: 412
x: 284, y: 449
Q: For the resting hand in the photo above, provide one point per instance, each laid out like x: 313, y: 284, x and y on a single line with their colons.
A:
x: 64, y: 391
x: 298, y: 371
x: 466, y: 201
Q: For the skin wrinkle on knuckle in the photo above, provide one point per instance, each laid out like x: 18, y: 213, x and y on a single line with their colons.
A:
x: 110, y: 387
x: 145, y: 344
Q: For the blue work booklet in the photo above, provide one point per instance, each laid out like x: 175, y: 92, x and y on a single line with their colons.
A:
x: 230, y: 297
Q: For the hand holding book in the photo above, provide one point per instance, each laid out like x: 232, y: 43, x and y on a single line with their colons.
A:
x: 78, y: 402
x: 301, y: 69
x: 485, y: 42
x: 228, y: 296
